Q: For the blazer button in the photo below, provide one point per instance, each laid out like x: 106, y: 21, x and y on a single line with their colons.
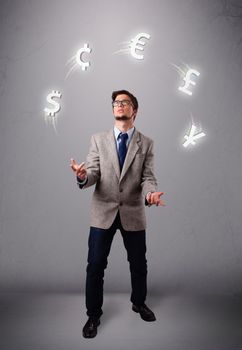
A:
x: 121, y: 190
x: 120, y: 203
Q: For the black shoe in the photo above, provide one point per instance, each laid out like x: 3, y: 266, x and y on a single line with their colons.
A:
x: 90, y: 328
x: 145, y: 313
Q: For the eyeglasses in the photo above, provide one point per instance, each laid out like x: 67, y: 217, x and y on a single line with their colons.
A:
x: 117, y: 103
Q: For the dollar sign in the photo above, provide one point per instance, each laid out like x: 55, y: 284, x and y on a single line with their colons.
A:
x: 188, y: 81
x: 56, y: 106
x: 79, y: 54
x: 135, y: 45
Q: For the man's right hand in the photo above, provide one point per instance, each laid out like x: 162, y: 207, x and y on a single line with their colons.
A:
x: 79, y: 169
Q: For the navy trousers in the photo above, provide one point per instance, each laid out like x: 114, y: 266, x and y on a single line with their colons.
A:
x: 99, y: 244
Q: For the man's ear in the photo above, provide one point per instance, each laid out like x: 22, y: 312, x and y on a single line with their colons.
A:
x: 135, y: 113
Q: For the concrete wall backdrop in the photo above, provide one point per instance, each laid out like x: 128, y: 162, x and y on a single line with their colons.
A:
x: 194, y: 243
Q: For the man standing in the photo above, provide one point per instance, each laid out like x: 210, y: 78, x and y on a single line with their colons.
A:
x: 120, y: 164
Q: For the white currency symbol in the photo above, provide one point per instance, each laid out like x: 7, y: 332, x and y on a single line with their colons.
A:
x: 56, y: 106
x: 79, y: 54
x: 190, y: 139
x: 135, y: 45
x: 188, y: 81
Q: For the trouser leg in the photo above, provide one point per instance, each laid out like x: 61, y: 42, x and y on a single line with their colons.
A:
x: 135, y: 244
x: 99, y: 244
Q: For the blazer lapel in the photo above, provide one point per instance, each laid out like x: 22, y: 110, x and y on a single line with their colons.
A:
x: 132, y: 150
x: 112, y: 150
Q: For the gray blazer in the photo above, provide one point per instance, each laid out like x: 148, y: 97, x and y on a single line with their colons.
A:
x: 123, y: 191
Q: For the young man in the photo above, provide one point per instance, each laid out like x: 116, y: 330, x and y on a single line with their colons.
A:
x: 120, y: 164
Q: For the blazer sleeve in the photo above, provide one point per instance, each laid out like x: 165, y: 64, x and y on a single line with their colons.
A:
x: 148, y: 179
x: 92, y: 165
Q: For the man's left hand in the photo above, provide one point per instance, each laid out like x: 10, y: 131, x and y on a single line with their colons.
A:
x: 154, y: 198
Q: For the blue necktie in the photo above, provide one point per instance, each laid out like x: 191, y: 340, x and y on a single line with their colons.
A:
x: 122, y: 149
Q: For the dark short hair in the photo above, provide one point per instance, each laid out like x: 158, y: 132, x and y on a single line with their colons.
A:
x: 125, y: 92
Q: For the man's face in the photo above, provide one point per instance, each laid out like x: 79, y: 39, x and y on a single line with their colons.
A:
x: 123, y: 108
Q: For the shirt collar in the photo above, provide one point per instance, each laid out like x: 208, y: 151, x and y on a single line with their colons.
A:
x: 117, y: 132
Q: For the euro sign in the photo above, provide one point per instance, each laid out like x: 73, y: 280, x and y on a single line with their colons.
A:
x: 137, y: 44
x: 55, y: 105
x: 188, y: 81
x: 79, y: 54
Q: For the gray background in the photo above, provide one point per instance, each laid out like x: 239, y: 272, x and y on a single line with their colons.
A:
x: 194, y: 243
